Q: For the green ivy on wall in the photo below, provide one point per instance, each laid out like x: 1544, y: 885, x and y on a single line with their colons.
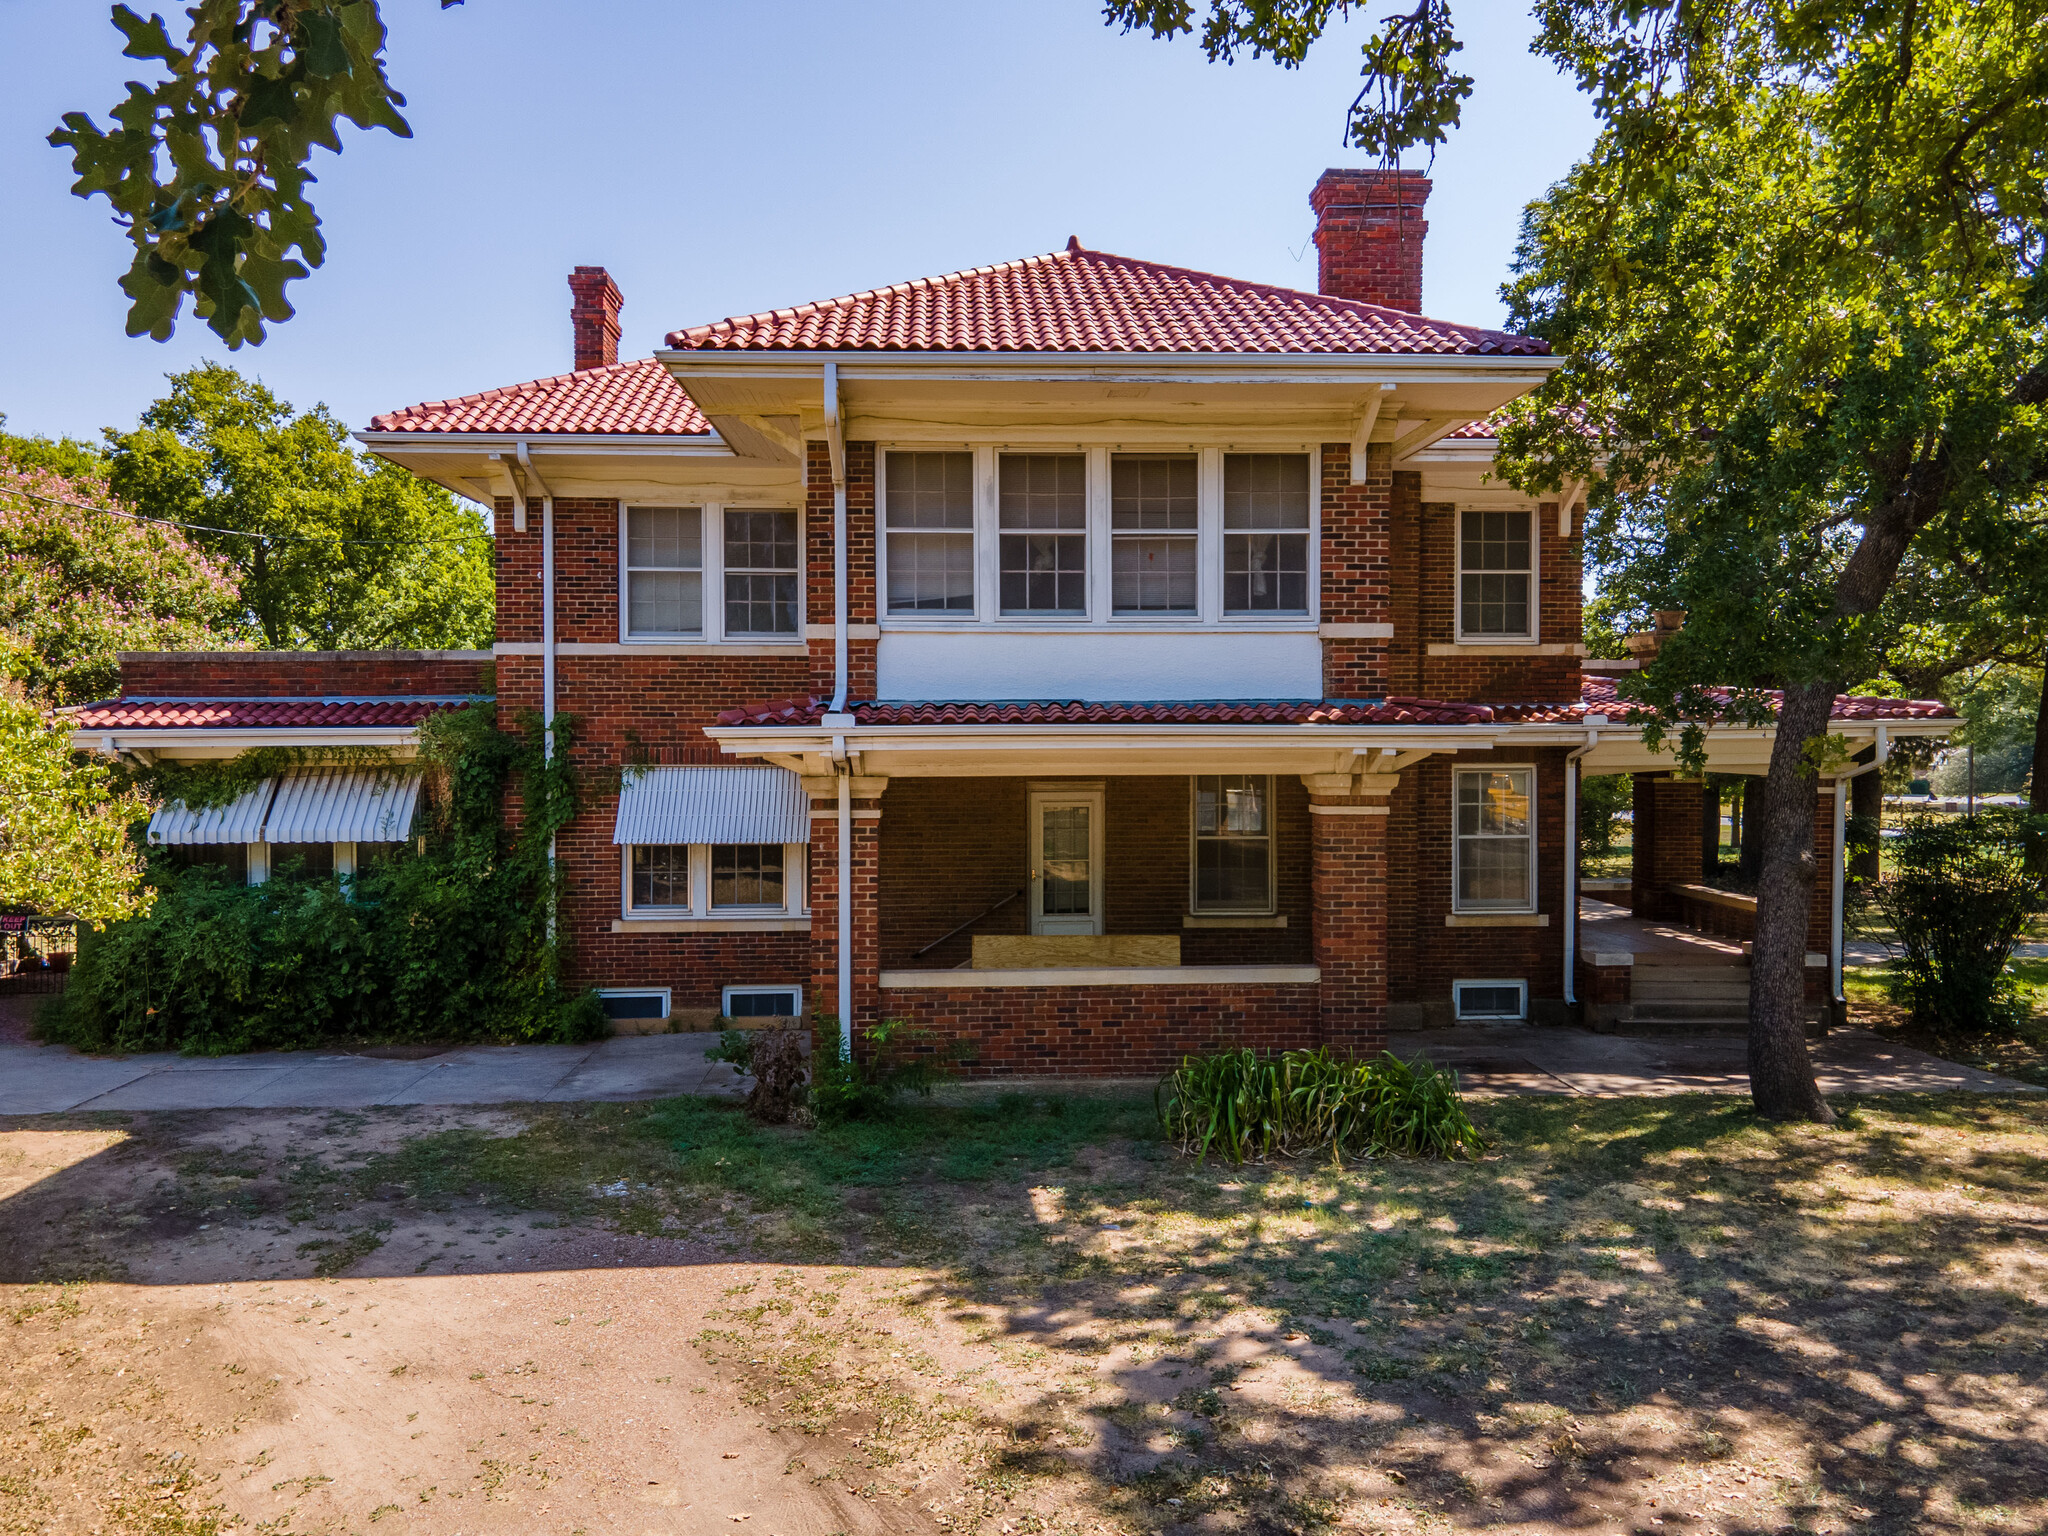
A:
x: 448, y: 939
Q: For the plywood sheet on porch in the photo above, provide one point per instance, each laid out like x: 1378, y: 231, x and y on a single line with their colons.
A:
x: 1068, y: 951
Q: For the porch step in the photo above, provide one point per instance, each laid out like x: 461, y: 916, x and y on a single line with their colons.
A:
x: 1702, y: 985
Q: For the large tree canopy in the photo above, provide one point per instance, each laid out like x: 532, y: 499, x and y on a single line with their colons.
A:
x: 331, y: 550
x: 207, y: 166
x: 64, y: 821
x: 1798, y: 284
x: 77, y: 587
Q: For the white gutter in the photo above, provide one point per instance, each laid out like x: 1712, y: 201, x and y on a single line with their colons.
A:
x: 1571, y: 861
x: 547, y: 640
x: 1837, y: 895
x: 842, y: 666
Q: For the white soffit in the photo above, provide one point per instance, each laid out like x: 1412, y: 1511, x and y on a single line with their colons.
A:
x: 712, y: 805
x: 343, y: 805
x: 175, y: 825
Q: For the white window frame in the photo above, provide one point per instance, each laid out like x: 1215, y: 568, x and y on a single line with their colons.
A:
x: 713, y: 574
x: 1272, y: 905
x: 667, y: 997
x: 1535, y: 840
x: 987, y: 614
x: 1037, y: 798
x: 726, y: 995
x: 1535, y: 634
x: 1520, y: 985
x: 795, y: 887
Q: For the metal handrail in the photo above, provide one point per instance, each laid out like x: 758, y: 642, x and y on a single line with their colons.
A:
x: 935, y: 943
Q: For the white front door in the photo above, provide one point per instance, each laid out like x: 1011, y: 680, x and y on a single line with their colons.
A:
x: 1066, y: 862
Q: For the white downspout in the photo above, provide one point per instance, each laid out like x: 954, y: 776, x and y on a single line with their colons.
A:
x: 547, y: 639
x: 835, y: 445
x: 1571, y: 863
x: 1837, y: 893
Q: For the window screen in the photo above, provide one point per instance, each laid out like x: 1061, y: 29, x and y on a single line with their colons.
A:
x: 1153, y: 536
x: 1496, y: 840
x: 1489, y: 999
x: 661, y: 875
x: 930, y: 525
x: 1233, y: 843
x: 746, y: 875
x: 1265, y: 532
x: 312, y: 861
x: 1493, y: 573
x: 664, y: 570
x: 761, y: 572
x: 1042, y: 510
x: 634, y: 1005
x: 230, y: 858
x: 762, y: 1002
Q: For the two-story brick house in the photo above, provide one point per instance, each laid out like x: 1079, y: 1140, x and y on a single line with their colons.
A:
x: 1089, y: 658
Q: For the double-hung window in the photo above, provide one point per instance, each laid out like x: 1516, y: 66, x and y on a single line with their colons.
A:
x: 1265, y: 533
x: 714, y: 879
x: 664, y: 571
x: 929, y: 522
x: 761, y: 588
x: 1496, y: 576
x: 1495, y: 840
x: 1154, y: 533
x: 1233, y: 837
x: 1042, y: 517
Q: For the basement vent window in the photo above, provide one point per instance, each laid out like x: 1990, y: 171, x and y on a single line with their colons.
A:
x: 1494, y: 1000
x: 763, y: 1002
x: 634, y: 1002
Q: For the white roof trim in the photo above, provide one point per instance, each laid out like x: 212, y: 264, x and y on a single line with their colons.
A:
x: 712, y: 805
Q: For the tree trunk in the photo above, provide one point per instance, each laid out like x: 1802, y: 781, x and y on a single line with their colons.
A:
x: 2038, y: 796
x: 1780, y: 1070
x: 1750, y: 860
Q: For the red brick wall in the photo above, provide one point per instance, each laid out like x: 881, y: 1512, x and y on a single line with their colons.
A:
x: 1666, y: 848
x: 1432, y: 531
x: 302, y: 674
x: 1108, y: 1031
x: 1426, y: 956
x: 860, y: 564
x: 1357, y: 569
x: 824, y: 936
x: 1350, y: 894
x: 952, y: 847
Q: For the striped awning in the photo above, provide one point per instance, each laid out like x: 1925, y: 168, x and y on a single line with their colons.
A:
x: 712, y: 805
x: 343, y: 805
x: 176, y: 825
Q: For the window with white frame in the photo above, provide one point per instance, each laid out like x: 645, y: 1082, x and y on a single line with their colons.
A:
x: 1495, y: 840
x: 1154, y: 532
x: 664, y: 571
x: 1496, y: 576
x: 1499, y: 1000
x: 1042, y: 512
x: 928, y: 520
x: 1266, y: 509
x: 761, y: 589
x: 1233, y: 843
x: 715, y: 879
x: 762, y: 1002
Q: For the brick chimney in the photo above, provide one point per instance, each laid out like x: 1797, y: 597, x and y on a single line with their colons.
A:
x: 1369, y: 232
x: 595, y: 317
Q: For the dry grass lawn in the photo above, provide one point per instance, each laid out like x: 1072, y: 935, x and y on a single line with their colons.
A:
x: 1022, y: 1314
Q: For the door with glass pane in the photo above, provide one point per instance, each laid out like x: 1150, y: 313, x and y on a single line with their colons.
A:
x: 1066, y: 862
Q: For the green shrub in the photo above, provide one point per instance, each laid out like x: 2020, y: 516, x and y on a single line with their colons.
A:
x: 1243, y: 1105
x: 450, y: 942
x: 1958, y: 899
x: 897, y: 1057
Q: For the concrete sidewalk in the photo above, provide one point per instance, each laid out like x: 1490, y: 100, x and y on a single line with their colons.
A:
x: 46, y: 1079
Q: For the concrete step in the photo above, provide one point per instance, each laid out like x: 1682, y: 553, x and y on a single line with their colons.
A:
x: 1738, y: 1011
x: 1736, y: 996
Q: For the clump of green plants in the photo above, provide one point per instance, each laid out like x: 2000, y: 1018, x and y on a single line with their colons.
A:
x: 1959, y: 898
x: 892, y: 1058
x: 448, y: 940
x: 1245, y: 1105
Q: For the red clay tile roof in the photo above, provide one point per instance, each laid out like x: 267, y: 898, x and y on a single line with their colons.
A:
x: 1600, y: 696
x: 251, y: 714
x: 640, y: 399
x: 1079, y: 300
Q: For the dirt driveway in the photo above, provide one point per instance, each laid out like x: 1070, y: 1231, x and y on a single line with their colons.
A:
x: 1018, y: 1316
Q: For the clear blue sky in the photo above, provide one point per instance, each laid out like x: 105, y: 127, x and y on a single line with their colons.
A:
x: 726, y: 158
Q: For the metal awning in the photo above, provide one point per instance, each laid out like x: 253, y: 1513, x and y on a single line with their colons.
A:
x: 176, y: 825
x: 712, y: 805
x: 343, y: 805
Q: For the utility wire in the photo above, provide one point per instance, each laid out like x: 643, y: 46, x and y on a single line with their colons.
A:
x: 240, y: 533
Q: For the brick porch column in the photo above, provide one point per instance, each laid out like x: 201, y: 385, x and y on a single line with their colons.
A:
x: 1348, y: 875
x: 867, y: 973
x: 1666, y: 849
